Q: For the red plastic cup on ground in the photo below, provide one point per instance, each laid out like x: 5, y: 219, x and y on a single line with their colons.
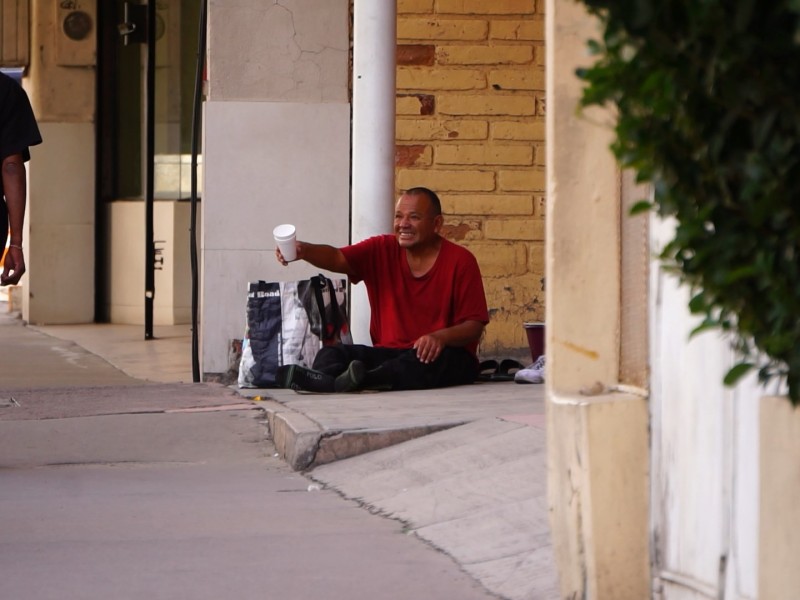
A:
x: 535, y: 332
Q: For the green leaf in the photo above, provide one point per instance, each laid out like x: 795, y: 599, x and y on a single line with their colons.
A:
x: 642, y: 206
x: 595, y: 47
x: 706, y: 325
x: 698, y: 303
x: 740, y: 273
x: 736, y: 373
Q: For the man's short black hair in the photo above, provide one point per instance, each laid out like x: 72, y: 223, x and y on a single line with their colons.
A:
x: 435, y: 202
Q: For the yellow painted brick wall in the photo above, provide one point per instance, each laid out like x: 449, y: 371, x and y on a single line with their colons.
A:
x: 470, y: 125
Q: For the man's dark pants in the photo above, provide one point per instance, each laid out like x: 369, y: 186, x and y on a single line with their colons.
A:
x: 400, y: 369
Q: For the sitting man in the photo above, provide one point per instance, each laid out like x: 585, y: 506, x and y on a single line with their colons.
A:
x: 427, y: 302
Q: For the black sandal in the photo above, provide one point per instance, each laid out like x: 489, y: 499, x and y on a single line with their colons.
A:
x: 487, y: 369
x: 507, y: 370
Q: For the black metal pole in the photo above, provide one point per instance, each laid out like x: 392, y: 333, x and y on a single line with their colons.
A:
x: 149, y: 260
x: 196, y: 121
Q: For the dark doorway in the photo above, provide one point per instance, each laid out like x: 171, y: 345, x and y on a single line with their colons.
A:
x: 120, y: 120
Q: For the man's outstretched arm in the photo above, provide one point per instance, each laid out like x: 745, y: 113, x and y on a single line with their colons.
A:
x: 321, y: 256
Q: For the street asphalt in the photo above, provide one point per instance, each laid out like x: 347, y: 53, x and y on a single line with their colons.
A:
x: 119, y: 478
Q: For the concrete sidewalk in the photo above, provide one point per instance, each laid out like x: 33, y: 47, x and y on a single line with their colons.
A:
x: 463, y: 468
x: 131, y: 490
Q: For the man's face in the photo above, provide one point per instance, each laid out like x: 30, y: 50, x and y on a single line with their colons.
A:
x: 414, y: 222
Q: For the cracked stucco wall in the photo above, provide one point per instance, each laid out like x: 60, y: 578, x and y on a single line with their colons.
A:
x: 287, y: 50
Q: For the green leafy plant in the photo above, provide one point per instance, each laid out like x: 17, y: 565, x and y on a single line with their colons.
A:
x: 707, y: 98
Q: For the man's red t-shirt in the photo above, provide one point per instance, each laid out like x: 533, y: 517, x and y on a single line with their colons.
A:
x: 405, y: 307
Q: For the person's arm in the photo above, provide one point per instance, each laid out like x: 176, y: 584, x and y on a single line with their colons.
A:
x: 430, y: 346
x: 14, y: 189
x: 321, y: 256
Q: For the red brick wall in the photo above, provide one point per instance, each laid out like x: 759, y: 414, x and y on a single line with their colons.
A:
x: 470, y: 125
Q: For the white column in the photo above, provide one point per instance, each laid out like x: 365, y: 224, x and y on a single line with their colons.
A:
x: 374, y: 44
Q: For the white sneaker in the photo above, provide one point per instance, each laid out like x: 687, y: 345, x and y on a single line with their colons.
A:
x: 532, y: 374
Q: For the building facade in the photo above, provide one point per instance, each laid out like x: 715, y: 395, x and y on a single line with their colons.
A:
x: 663, y: 484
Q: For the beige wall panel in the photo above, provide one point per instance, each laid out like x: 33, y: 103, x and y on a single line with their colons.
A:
x: 172, y: 302
x: 779, y: 542
x: 14, y: 33
x: 59, y: 226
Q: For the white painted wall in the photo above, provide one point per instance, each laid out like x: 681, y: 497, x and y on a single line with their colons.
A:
x: 270, y: 163
x: 704, y: 454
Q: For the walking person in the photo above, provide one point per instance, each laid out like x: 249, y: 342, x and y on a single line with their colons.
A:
x: 18, y: 131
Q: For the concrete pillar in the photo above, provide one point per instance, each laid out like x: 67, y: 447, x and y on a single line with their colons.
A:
x: 374, y: 44
x: 60, y: 221
x: 598, y: 445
